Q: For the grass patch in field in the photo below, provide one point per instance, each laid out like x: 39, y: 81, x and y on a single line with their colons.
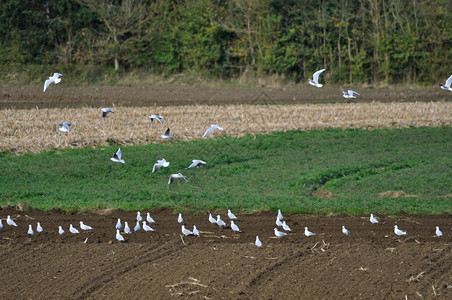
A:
x: 288, y: 170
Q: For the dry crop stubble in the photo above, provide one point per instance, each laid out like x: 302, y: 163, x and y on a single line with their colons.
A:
x: 35, y: 130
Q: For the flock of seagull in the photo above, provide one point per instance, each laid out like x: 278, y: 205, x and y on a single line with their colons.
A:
x: 144, y: 224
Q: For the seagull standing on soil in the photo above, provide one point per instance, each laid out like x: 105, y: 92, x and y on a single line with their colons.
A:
x: 195, y: 231
x: 139, y: 217
x: 438, y: 232
x: 372, y: 219
x: 279, y: 216
x: 119, y: 237
x: 185, y: 231
x: 127, y: 228
x: 73, y: 229
x: 137, y: 226
x: 211, y: 129
x: 10, y: 222
x: 39, y: 228
x: 106, y: 111
x: 55, y: 79
x: 166, y: 135
x: 398, y: 231
x: 279, y: 233
x: 315, y: 79
x: 118, y: 224
x: 117, y: 157
x: 146, y: 227
x: 60, y: 230
x: 180, y: 220
x: 349, y: 94
x: 160, y: 163
x: 447, y: 85
x: 156, y: 117
x: 307, y: 232
x: 149, y: 218
x: 231, y: 215
x: 64, y: 127
x: 220, y: 222
x: 1, y: 224
x: 234, y: 227
x: 84, y: 226
x: 278, y: 222
x: 258, y: 242
x: 212, y: 219
x: 285, y: 226
x: 30, y: 230
x: 175, y: 176
x: 345, y: 230
x: 196, y: 163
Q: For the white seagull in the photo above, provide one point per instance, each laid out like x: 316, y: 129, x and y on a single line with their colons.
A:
x: 180, y: 220
x: 398, y: 231
x: 278, y: 222
x: 175, y: 176
x: 160, y: 163
x: 345, y: 230
x: 349, y: 94
x: 212, y: 219
x: 279, y: 233
x: 234, y: 227
x: 1, y: 224
x: 64, y: 127
x: 117, y: 157
x: 315, y: 79
x: 118, y: 224
x: 60, y: 230
x: 279, y: 216
x: 10, y: 222
x: 139, y: 217
x: 258, y: 242
x: 166, y: 135
x: 55, y: 79
x: 39, y: 227
x: 146, y: 227
x: 84, y: 226
x: 447, y: 85
x: 106, y: 111
x: 372, y: 219
x: 185, y: 231
x: 119, y: 237
x: 307, y: 232
x: 438, y: 232
x: 149, y: 218
x: 30, y: 230
x: 196, y: 163
x: 195, y: 231
x: 73, y: 229
x: 211, y: 129
x: 137, y: 226
x: 231, y: 215
x: 127, y: 228
x: 156, y: 117
x: 220, y: 222
x: 285, y: 226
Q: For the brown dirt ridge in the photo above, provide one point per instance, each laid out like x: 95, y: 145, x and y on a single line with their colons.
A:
x: 370, y: 263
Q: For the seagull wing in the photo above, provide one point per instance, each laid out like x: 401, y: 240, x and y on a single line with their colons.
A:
x: 350, y: 92
x: 449, y: 81
x: 47, y: 83
x: 119, y: 153
x: 208, y: 131
x: 316, y: 75
x: 156, y: 167
x: 171, y: 178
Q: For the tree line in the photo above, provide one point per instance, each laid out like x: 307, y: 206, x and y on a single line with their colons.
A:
x: 390, y: 41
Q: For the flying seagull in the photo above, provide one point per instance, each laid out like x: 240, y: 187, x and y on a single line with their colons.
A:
x: 195, y: 231
x: 315, y: 79
x: 166, y: 135
x: 84, y: 226
x: 279, y: 233
x: 60, y: 230
x: 258, y: 242
x: 10, y: 222
x: 231, y: 215
x: 372, y: 219
x: 127, y: 228
x: 447, y: 85
x: 196, y: 163
x: 398, y: 231
x: 211, y: 129
x: 30, y: 230
x: 119, y: 237
x: 185, y: 231
x: 106, y: 111
x: 307, y: 232
x: 349, y: 94
x: 175, y: 176
x: 146, y: 227
x: 118, y: 224
x: 73, y: 229
x: 156, y: 117
x: 39, y: 227
x: 160, y: 163
x: 55, y: 79
x: 345, y: 230
x: 117, y: 157
x: 234, y: 227
x: 64, y: 127
x: 438, y: 232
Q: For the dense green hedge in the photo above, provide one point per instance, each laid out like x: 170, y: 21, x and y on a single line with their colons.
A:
x: 355, y: 40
